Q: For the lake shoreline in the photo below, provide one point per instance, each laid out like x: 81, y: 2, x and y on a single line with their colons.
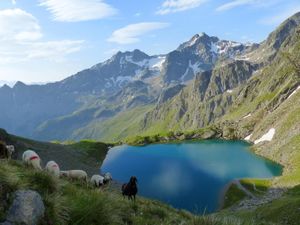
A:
x: 177, y: 139
x: 171, y: 149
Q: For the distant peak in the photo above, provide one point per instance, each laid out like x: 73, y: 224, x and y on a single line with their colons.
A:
x: 118, y: 54
x: 19, y: 84
x: 197, y: 36
x: 137, y: 51
x: 134, y: 52
x: 5, y: 86
x: 195, y: 40
x: 201, y: 34
x: 283, y: 31
x: 135, y: 55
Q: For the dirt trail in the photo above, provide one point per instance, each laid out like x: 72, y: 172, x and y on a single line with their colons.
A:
x: 242, y: 188
x: 252, y: 202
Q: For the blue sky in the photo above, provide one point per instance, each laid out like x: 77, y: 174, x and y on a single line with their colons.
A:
x: 48, y: 40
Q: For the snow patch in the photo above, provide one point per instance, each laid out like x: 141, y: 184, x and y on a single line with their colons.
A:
x: 142, y: 63
x: 294, y: 92
x: 266, y: 137
x: 243, y: 58
x: 154, y: 63
x: 193, y: 41
x: 248, y: 137
x: 185, y: 74
x: 257, y: 71
x: 138, y: 74
x: 214, y: 48
x: 245, y: 117
x: 225, y: 48
x: 157, y: 62
x: 195, y: 67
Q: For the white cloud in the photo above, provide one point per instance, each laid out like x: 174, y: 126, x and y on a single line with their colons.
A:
x: 233, y: 4
x: 78, y: 10
x: 18, y: 25
x: 20, y: 39
x: 15, y: 52
x: 255, y: 3
x: 281, y: 16
x: 131, y: 33
x: 54, y: 50
x: 13, y: 2
x: 172, y: 6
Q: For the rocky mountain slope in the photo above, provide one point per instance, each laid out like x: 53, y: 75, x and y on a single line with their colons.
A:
x: 212, y: 94
x: 127, y: 80
x: 134, y: 93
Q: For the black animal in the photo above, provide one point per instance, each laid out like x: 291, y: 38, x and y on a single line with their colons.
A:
x: 3, y: 150
x: 130, y: 189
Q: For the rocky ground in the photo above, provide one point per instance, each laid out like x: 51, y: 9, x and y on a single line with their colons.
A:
x: 252, y: 201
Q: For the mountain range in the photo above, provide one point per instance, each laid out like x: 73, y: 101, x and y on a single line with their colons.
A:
x: 204, y: 81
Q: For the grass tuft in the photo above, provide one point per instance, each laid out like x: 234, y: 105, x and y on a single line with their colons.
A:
x: 42, y: 182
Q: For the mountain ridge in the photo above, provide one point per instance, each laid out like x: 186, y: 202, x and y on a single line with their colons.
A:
x: 135, y: 81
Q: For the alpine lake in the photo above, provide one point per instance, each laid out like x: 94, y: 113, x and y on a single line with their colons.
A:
x: 189, y: 175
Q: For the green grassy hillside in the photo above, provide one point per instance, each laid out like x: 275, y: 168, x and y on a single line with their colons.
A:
x: 86, y: 155
x: 74, y: 203
x: 116, y: 128
x: 274, y: 102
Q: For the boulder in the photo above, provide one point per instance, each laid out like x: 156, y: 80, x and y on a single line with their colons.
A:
x: 209, y: 134
x: 27, y: 208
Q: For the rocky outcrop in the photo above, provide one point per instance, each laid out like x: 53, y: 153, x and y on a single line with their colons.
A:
x: 200, y: 53
x: 27, y: 208
x: 229, y: 76
x: 204, y: 100
x: 234, y: 130
x: 169, y: 93
x: 279, y: 38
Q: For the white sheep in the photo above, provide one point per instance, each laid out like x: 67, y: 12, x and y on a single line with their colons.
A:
x: 107, y: 178
x: 10, y: 150
x: 75, y: 175
x: 31, y: 158
x: 53, y: 168
x: 97, y: 180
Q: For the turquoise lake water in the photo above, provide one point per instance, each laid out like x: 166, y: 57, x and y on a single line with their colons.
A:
x: 187, y: 175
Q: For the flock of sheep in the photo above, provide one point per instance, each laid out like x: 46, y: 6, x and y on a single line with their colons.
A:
x: 31, y: 158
